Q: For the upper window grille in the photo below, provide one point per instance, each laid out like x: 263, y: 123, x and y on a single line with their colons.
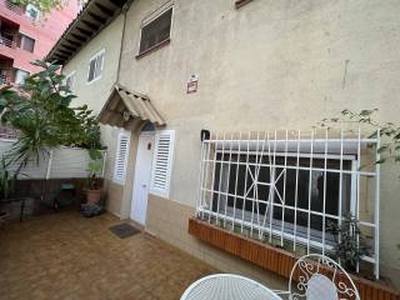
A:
x: 156, y: 31
x: 285, y: 188
x: 96, y: 65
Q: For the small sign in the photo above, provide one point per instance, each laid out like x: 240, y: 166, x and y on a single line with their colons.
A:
x: 192, y: 85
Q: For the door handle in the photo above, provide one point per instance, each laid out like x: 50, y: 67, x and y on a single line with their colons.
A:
x: 144, y: 185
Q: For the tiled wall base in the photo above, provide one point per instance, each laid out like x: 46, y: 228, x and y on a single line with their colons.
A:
x: 168, y: 220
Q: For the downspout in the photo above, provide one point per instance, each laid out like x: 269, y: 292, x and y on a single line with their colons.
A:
x: 125, y: 9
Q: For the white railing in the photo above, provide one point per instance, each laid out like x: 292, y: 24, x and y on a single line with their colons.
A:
x: 6, y: 42
x: 286, y: 187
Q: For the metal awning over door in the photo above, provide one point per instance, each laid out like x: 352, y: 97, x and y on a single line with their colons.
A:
x: 129, y: 110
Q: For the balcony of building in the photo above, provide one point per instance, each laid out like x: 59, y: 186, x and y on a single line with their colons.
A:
x: 7, y: 73
x: 8, y: 37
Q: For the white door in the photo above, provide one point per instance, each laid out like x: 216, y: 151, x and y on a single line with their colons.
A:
x: 141, y: 183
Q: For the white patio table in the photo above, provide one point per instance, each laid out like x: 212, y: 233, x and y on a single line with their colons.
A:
x: 228, y: 287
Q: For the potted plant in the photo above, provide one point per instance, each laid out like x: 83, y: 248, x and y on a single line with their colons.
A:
x: 93, y: 189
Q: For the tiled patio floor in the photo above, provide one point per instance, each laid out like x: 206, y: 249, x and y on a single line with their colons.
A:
x: 66, y: 256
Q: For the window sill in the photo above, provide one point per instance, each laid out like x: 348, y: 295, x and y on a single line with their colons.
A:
x: 153, y: 48
x: 241, y: 3
x: 93, y: 80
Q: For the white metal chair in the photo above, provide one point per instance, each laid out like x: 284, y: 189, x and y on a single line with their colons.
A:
x: 317, y: 277
x: 228, y: 287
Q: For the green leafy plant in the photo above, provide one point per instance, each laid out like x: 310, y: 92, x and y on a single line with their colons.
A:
x: 7, y: 181
x: 351, y: 246
x: 388, y: 131
x: 94, y: 168
x: 41, y: 112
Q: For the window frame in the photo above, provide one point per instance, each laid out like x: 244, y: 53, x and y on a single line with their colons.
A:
x: 287, y: 229
x: 21, y: 44
x: 147, y: 21
x: 98, y: 54
x: 29, y: 7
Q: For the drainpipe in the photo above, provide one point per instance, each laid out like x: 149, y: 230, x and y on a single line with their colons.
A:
x: 125, y: 9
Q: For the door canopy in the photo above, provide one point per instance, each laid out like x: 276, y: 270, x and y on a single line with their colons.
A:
x: 129, y: 110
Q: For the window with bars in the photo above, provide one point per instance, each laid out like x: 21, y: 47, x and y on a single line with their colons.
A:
x: 162, y: 162
x: 156, y: 31
x: 96, y: 65
x: 121, y: 160
x: 286, y: 187
x: 246, y: 184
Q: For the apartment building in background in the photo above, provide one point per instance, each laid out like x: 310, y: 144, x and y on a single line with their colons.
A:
x: 27, y: 34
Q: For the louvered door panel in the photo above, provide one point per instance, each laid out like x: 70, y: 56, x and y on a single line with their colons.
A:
x: 162, y: 162
x: 121, y: 158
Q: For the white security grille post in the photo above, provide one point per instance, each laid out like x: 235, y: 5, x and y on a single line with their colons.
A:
x: 49, y: 163
x: 285, y: 187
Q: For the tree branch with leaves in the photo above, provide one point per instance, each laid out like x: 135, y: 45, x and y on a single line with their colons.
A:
x: 40, y: 110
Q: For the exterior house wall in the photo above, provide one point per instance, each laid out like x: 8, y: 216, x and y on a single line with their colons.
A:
x: 269, y: 65
x: 95, y: 95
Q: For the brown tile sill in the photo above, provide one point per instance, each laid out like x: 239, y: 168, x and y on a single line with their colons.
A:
x: 274, y: 259
x: 241, y: 3
x: 154, y: 48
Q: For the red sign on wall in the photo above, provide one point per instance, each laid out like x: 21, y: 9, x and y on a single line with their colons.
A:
x: 192, y: 85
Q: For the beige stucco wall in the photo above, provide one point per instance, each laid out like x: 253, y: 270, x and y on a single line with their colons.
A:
x: 96, y: 93
x: 270, y: 65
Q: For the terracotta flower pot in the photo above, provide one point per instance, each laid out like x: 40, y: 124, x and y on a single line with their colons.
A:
x: 93, y: 196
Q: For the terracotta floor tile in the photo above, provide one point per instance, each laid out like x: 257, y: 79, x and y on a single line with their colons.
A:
x: 67, y: 256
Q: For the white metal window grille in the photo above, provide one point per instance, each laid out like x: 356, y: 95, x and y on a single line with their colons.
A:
x: 285, y: 187
x: 162, y: 162
x: 121, y: 160
x: 96, y: 65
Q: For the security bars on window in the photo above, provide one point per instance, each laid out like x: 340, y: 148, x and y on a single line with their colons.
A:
x: 284, y: 188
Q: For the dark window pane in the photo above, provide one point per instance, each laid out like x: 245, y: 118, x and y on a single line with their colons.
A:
x: 28, y: 44
x: 156, y: 31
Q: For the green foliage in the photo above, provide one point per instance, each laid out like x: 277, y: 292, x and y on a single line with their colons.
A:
x: 351, y: 246
x: 94, y: 168
x: 42, y: 114
x: 7, y: 181
x: 388, y: 131
x: 43, y: 5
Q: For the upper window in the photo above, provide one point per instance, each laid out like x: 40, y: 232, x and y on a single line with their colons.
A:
x: 26, y: 43
x: 32, y: 11
x: 156, y: 31
x: 70, y: 80
x: 96, y: 65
